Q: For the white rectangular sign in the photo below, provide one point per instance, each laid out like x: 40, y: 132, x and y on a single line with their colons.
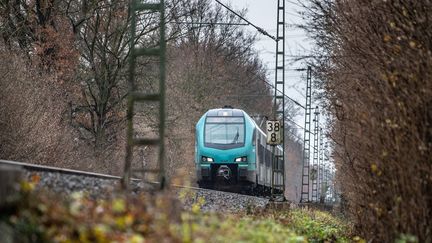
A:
x: 274, y: 132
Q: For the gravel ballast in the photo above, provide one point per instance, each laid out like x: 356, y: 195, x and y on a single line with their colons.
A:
x: 209, y: 200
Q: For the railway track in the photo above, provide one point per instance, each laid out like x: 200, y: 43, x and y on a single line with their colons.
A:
x: 67, y: 181
x: 35, y: 167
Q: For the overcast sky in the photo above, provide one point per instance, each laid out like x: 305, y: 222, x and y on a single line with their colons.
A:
x: 263, y: 14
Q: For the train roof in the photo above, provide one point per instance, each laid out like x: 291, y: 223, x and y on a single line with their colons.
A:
x: 225, y: 112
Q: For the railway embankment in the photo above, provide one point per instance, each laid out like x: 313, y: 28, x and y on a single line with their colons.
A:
x: 56, y: 206
x: 66, y: 182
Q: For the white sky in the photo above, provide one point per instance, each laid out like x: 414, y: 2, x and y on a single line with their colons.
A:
x: 263, y: 14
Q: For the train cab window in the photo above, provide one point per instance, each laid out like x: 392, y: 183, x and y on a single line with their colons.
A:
x: 224, y: 132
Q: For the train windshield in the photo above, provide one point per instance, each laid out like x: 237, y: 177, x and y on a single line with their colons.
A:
x: 224, y: 132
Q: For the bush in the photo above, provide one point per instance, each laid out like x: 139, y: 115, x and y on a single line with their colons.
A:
x: 40, y: 217
x: 375, y: 63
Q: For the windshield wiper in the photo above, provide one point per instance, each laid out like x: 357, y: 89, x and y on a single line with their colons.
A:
x: 235, y: 140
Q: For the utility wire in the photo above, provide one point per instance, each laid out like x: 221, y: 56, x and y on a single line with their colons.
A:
x: 264, y: 95
x: 286, y: 117
x: 295, y: 135
x: 262, y: 31
x: 207, y: 23
x: 295, y: 123
x: 271, y: 85
x: 293, y: 100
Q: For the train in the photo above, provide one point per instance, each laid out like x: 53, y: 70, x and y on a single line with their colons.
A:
x: 231, y: 151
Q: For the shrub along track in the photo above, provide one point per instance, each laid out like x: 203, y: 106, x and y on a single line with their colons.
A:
x: 67, y: 181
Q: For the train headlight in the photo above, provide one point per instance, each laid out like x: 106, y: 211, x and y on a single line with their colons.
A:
x: 206, y: 159
x: 241, y: 159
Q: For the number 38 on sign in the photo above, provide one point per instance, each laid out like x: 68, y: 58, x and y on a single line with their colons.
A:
x: 274, y: 132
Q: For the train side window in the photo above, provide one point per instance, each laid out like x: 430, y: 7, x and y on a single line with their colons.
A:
x: 254, y: 137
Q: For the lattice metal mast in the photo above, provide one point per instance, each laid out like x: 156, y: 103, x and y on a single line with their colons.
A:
x: 320, y: 165
x: 279, y: 101
x: 331, y: 185
x: 314, y: 174
x: 326, y: 165
x: 134, y: 96
x: 326, y: 181
x: 306, y: 140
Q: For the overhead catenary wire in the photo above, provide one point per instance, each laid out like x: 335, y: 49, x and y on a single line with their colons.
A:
x: 295, y: 123
x: 295, y: 135
x: 268, y: 95
x: 271, y: 85
x: 208, y: 23
x: 293, y: 100
x: 262, y: 31
x: 259, y: 29
x: 289, y: 119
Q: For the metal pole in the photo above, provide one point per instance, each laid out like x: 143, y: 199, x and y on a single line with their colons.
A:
x: 320, y: 165
x: 134, y: 96
x: 314, y: 176
x: 306, y: 140
x: 326, y: 164
x: 278, y: 169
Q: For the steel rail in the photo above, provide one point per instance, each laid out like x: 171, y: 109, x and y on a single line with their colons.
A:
x: 45, y: 168
x: 38, y: 167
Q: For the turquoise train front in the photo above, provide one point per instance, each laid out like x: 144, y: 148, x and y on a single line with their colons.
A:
x: 231, y: 148
x: 225, y: 147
